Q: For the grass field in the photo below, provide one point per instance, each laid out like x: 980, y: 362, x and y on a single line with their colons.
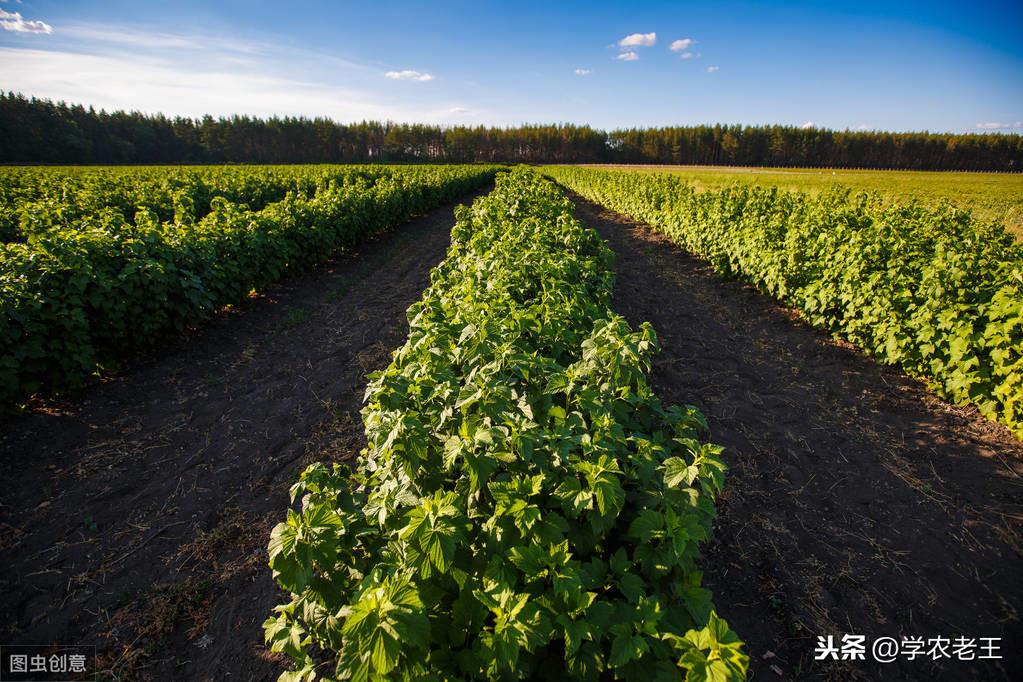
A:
x: 989, y: 195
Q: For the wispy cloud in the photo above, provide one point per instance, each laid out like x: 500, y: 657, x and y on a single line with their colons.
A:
x: 638, y: 40
x: 151, y: 69
x: 583, y: 72
x: 457, y: 110
x: 713, y: 69
x: 408, y: 75
x: 995, y: 125
x: 682, y: 44
x: 194, y: 49
x: 155, y: 83
x: 13, y: 21
x: 628, y: 56
x: 152, y: 40
x: 124, y: 36
x: 686, y: 55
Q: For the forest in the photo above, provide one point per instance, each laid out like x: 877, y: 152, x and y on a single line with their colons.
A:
x: 41, y: 131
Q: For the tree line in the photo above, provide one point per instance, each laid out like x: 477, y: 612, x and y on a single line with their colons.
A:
x: 41, y: 131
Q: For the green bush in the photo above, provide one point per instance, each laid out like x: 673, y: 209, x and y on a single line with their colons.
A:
x: 526, y: 507
x: 91, y: 286
x: 933, y: 290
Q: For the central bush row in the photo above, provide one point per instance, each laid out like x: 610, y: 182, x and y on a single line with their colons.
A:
x: 526, y: 507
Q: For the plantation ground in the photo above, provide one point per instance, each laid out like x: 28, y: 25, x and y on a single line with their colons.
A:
x: 997, y: 196
x: 137, y: 516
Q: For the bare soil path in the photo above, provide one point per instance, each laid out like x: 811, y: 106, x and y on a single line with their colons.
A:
x: 136, y: 517
x: 856, y: 502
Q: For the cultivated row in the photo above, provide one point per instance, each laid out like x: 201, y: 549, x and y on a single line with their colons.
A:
x: 934, y: 290
x: 526, y: 507
x: 88, y: 284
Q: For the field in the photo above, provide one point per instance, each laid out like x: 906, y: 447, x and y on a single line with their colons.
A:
x: 995, y: 196
x: 588, y: 423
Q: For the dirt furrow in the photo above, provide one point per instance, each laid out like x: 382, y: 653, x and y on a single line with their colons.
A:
x: 856, y: 502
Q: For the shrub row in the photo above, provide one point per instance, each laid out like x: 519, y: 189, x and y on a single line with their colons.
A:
x: 74, y: 300
x: 526, y: 507
x: 34, y: 200
x: 934, y: 290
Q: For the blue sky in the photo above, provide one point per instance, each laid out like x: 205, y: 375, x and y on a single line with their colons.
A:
x: 896, y: 66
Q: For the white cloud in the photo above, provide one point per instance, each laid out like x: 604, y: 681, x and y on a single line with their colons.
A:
x: 686, y: 55
x: 130, y: 41
x: 712, y: 69
x: 628, y: 56
x: 808, y: 125
x: 682, y: 44
x: 13, y: 21
x: 457, y: 110
x: 192, y: 73
x: 583, y: 72
x: 408, y: 75
x: 994, y: 125
x: 638, y: 40
x: 121, y: 36
x: 152, y: 69
x: 134, y: 37
x: 205, y: 84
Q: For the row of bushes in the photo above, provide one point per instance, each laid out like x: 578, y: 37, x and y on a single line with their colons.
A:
x: 75, y: 300
x: 35, y: 200
x: 526, y: 507
x: 934, y: 290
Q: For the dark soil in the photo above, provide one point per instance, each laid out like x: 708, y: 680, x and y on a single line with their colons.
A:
x: 856, y: 502
x: 136, y: 517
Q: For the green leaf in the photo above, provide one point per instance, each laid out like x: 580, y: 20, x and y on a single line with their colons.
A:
x: 385, y: 653
x: 677, y: 472
x: 625, y: 648
x: 648, y: 523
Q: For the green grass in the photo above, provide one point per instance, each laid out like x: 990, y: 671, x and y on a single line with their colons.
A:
x: 998, y: 196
